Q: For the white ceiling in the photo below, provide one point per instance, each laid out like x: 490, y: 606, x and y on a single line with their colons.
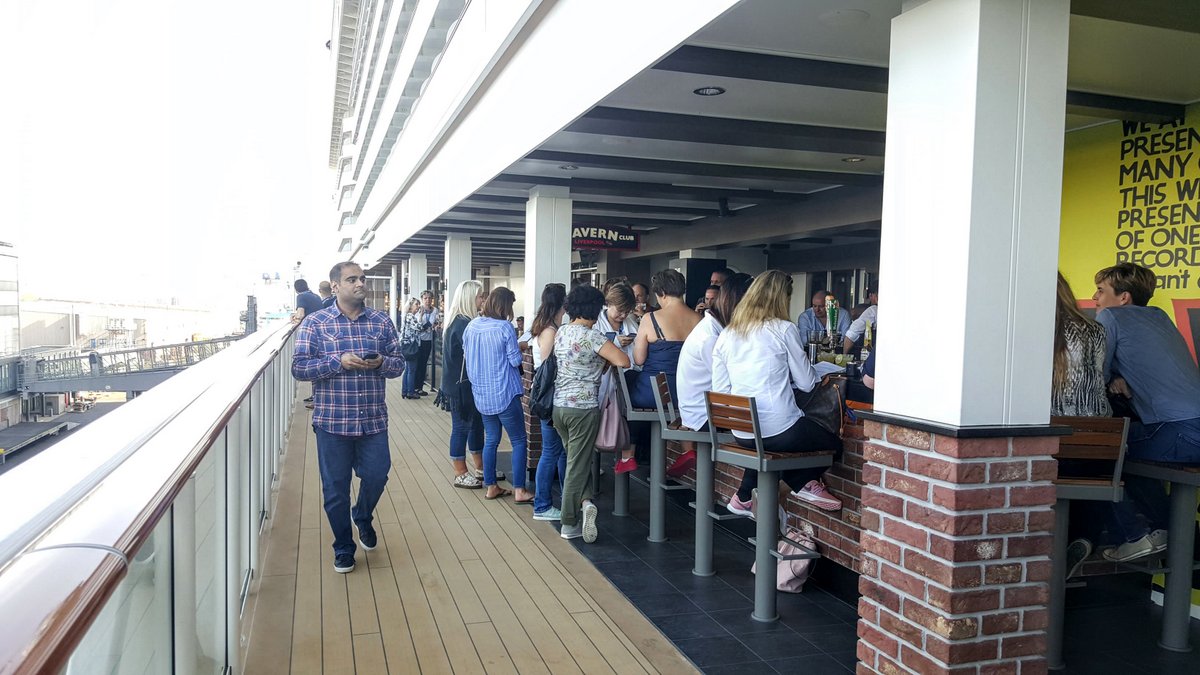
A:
x: 1106, y: 57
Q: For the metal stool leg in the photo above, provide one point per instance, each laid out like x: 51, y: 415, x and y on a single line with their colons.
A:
x: 620, y: 494
x: 765, y: 533
x: 1058, y: 586
x: 658, y: 476
x: 1178, y: 591
x: 703, y: 566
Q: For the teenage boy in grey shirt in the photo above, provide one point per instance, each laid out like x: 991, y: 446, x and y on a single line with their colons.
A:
x: 1148, y: 361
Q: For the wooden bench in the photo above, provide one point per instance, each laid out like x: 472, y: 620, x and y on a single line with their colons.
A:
x: 673, y: 430
x: 1101, y: 442
x: 727, y: 413
x: 1181, y: 537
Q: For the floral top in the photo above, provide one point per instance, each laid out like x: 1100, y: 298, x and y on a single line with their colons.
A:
x: 577, y: 349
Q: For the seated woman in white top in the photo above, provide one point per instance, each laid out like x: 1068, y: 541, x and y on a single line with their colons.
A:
x: 694, y: 375
x: 760, y: 354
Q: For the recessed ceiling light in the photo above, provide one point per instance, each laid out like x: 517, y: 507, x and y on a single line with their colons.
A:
x: 852, y: 160
x: 709, y: 91
x: 568, y: 167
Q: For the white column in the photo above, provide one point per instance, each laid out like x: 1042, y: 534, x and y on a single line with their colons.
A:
x: 418, y: 274
x: 547, y: 242
x: 458, y: 263
x: 393, y: 286
x: 972, y: 184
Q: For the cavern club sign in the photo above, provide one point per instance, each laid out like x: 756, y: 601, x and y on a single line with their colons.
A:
x: 604, y: 237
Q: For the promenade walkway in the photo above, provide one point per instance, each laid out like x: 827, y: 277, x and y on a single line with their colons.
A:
x: 458, y: 584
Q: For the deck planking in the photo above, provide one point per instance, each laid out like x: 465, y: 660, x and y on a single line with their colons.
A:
x: 457, y: 584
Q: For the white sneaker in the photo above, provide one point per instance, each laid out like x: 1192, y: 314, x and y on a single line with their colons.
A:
x: 1130, y: 550
x: 552, y: 513
x: 571, y: 531
x: 589, y: 522
x: 1158, y: 539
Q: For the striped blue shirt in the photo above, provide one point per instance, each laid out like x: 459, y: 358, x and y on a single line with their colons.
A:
x: 490, y: 350
x: 347, y: 402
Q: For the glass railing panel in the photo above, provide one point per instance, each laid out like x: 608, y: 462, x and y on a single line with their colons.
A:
x: 132, y: 634
x: 200, y: 607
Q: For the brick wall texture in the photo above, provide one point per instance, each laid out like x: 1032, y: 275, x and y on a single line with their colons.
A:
x: 956, y: 537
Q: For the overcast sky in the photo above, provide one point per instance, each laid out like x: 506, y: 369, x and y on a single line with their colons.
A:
x: 165, y: 149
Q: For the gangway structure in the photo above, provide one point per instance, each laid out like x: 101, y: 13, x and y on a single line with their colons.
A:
x: 129, y: 370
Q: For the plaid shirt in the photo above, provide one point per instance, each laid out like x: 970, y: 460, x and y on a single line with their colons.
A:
x: 347, y: 402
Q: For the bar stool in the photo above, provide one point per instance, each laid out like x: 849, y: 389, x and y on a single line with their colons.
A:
x: 727, y: 412
x: 1098, y: 439
x: 673, y: 430
x: 658, y: 466
x: 1181, y: 537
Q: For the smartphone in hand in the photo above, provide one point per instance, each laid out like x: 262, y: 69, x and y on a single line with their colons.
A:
x: 370, y: 356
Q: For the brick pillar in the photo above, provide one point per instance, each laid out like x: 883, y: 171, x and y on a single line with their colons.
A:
x: 955, y: 545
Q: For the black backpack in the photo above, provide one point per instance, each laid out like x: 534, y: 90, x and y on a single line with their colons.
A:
x: 541, y: 392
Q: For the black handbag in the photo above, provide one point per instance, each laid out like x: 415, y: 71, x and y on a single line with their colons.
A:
x: 409, y: 350
x: 462, y: 401
x: 825, y: 404
x: 410, y: 343
x: 541, y: 392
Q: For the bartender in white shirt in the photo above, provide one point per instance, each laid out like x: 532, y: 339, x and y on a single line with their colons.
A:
x: 859, y: 327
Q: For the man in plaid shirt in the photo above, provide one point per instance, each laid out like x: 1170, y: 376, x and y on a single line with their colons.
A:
x: 347, y: 350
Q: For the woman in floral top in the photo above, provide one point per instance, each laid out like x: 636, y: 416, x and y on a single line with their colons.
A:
x: 582, y: 353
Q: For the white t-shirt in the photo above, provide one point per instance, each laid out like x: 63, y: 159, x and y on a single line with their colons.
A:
x: 694, y: 373
x: 766, y: 364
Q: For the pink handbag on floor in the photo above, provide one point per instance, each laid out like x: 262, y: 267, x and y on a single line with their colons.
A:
x: 790, y: 575
x: 614, y: 432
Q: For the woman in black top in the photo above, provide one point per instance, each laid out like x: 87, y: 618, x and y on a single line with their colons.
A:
x: 466, y: 428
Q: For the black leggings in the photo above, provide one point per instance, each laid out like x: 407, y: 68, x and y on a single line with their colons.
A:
x: 803, y: 436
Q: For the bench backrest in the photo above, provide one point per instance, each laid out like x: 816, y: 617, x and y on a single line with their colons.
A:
x: 727, y: 412
x: 1099, y: 440
x: 667, y: 414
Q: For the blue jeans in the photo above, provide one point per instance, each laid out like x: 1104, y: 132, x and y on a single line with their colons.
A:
x: 1176, y: 442
x: 554, y: 456
x: 464, y: 434
x: 337, y: 456
x: 409, y: 387
x: 512, y: 419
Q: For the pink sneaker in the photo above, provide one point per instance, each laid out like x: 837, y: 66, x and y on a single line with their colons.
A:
x: 818, y: 495
x: 625, y: 465
x: 741, y: 508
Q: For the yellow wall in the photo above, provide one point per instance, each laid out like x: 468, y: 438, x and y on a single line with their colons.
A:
x: 1100, y: 224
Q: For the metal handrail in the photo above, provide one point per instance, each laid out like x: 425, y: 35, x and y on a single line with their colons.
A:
x: 137, y: 360
x: 112, y: 484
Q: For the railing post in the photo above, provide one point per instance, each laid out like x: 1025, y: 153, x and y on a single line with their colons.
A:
x: 233, y: 540
x: 183, y: 526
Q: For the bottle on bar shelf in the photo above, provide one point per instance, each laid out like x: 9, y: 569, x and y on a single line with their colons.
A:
x: 866, y: 348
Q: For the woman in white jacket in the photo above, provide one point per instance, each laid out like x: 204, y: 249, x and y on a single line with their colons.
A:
x: 760, y: 354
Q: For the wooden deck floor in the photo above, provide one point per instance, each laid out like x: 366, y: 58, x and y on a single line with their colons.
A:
x: 458, y: 584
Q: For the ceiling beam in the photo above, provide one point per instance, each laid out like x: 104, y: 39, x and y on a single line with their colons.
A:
x: 814, y: 178
x: 645, y: 190
x: 774, y: 68
x: 1170, y: 14
x: 727, y: 131
x: 811, y: 72
x: 581, y: 205
x: 1119, y: 107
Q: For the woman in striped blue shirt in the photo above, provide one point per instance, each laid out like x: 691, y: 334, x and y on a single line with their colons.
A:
x: 493, y: 366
